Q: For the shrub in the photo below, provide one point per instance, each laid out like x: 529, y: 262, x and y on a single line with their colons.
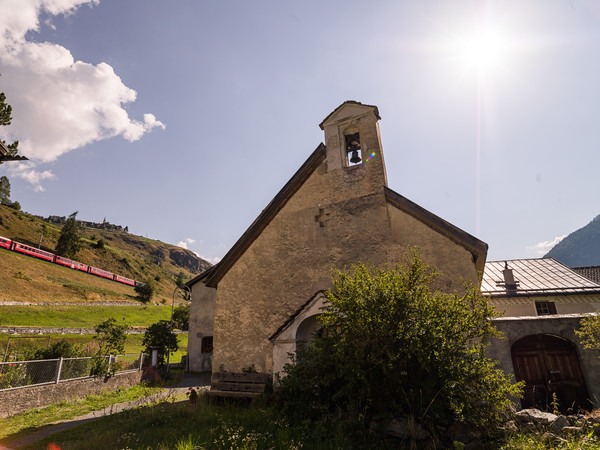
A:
x: 145, y: 291
x: 159, y: 334
x: 589, y: 332
x: 181, y: 317
x: 111, y: 337
x: 390, y: 347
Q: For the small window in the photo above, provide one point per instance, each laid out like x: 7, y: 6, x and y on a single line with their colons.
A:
x: 545, y: 308
x: 207, y: 344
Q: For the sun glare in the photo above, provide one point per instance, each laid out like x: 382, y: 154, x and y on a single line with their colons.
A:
x: 482, y: 51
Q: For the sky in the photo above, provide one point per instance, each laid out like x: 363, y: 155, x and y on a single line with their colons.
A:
x: 182, y: 119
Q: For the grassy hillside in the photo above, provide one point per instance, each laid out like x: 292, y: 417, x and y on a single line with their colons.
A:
x: 27, y: 279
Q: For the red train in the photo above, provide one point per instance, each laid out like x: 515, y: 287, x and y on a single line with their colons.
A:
x: 51, y: 257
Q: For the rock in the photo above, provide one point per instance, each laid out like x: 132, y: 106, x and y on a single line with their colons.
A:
x: 571, y: 430
x: 552, y: 438
x: 511, y: 427
x: 536, y: 416
x: 559, y: 423
x: 403, y: 428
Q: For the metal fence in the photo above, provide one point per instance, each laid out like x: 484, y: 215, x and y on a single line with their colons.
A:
x: 32, y: 373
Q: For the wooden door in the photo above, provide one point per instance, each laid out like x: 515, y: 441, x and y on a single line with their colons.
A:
x: 550, y: 365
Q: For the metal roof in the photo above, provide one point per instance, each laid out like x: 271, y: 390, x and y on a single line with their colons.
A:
x: 591, y: 272
x: 540, y: 276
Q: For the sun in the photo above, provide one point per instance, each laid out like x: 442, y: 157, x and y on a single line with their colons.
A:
x: 482, y: 51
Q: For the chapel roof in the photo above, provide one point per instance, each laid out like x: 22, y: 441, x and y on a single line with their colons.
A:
x: 534, y: 277
x: 349, y: 102
x: 212, y: 276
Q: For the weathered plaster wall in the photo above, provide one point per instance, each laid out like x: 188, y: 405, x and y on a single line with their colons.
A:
x: 565, y: 304
x: 515, y: 328
x: 19, y: 400
x: 452, y: 260
x: 202, y: 313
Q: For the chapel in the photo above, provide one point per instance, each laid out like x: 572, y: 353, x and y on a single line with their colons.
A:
x: 263, y: 298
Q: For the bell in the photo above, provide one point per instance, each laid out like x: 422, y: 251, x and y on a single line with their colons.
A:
x: 354, y: 147
x: 355, y: 159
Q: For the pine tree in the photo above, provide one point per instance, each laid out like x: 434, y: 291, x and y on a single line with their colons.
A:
x: 69, y: 241
x: 5, y: 119
x: 4, y: 191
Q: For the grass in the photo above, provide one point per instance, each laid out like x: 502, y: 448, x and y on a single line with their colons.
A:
x: 212, y: 424
x: 543, y: 441
x: 80, y: 316
x: 206, y: 425
x: 133, y: 344
x: 24, y: 423
x: 31, y: 280
x: 219, y: 424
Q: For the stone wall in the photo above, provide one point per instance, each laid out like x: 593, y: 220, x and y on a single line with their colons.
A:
x: 18, y: 400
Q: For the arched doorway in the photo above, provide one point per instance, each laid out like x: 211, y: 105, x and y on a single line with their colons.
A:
x: 307, y: 329
x: 550, y: 367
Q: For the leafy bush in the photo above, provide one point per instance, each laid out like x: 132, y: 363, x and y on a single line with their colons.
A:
x: 589, y: 332
x: 145, y: 291
x: 390, y: 347
x: 181, y: 317
x: 60, y: 349
x: 111, y: 337
x: 159, y: 335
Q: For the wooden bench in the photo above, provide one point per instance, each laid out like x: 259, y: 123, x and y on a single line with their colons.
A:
x: 232, y: 384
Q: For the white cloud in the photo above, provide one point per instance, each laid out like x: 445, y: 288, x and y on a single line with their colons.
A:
x: 214, y: 260
x: 185, y: 243
x: 541, y: 248
x: 27, y: 171
x: 59, y: 104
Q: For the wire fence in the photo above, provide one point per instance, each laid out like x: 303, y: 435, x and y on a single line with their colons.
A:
x: 32, y: 373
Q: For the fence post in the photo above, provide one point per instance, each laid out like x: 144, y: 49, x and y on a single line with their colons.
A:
x: 58, y: 370
x: 141, y: 360
x: 109, y: 361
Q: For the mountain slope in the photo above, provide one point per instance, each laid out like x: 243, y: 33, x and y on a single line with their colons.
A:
x: 110, y: 249
x: 580, y: 248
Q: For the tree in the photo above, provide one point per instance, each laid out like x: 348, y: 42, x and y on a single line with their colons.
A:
x: 4, y: 190
x: 145, y: 290
x: 5, y: 119
x: 69, y: 241
x: 111, y: 337
x: 181, y: 317
x: 389, y: 347
x: 160, y: 335
x: 180, y: 280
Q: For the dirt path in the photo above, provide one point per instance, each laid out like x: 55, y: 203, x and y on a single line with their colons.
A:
x: 189, y: 380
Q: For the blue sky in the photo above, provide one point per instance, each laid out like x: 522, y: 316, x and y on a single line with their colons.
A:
x: 182, y: 119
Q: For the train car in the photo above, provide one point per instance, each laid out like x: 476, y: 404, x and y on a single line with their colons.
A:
x: 76, y: 265
x: 101, y: 273
x: 5, y: 242
x: 66, y: 262
x: 124, y: 280
x: 32, y: 251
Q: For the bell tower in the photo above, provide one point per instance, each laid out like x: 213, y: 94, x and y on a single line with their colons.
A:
x: 353, y: 142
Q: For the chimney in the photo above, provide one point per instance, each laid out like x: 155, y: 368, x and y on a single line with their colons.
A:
x: 509, y: 279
